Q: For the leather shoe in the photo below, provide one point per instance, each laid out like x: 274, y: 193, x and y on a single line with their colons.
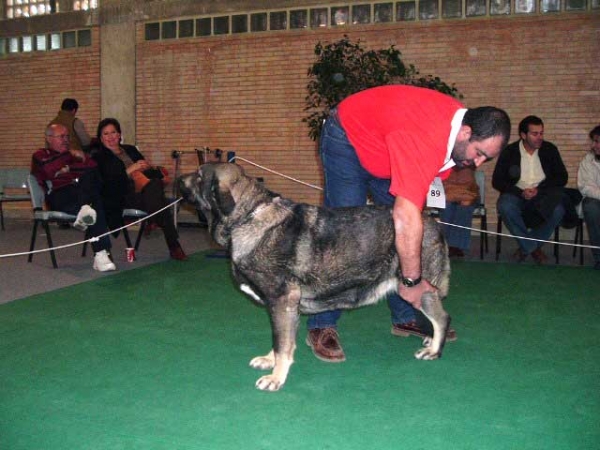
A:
x: 455, y: 252
x: 539, y: 256
x: 325, y: 344
x: 177, y: 253
x: 520, y: 256
x: 423, y: 330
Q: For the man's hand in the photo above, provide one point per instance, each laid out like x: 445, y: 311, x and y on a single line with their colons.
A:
x: 529, y: 193
x: 78, y: 154
x: 413, y: 294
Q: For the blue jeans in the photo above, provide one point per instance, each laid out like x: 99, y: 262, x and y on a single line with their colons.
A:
x: 459, y: 215
x: 591, y: 215
x: 347, y: 183
x: 511, y: 208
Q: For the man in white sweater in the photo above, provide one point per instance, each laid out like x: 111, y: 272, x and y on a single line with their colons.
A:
x: 588, y: 182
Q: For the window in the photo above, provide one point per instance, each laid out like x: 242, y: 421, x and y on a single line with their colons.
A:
x: 69, y: 39
x: 186, y: 28
x: 318, y: 17
x: 221, y: 25
x: 203, y: 27
x: 169, y: 30
x: 428, y: 9
x: 152, y: 31
x: 476, y: 8
x: 575, y: 5
x: 85, y: 5
x: 41, y: 43
x: 339, y: 15
x: 499, y: 7
x: 278, y: 20
x: 361, y: 14
x: 298, y: 19
x: 27, y: 8
x: 84, y: 38
x: 406, y: 11
x: 239, y: 23
x: 451, y: 8
x: 258, y: 22
x: 383, y: 12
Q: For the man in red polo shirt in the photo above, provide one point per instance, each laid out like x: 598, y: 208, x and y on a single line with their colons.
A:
x: 390, y: 142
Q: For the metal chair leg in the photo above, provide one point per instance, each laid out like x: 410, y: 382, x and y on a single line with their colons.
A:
x: 32, y: 243
x: 50, y: 244
x: 498, y: 237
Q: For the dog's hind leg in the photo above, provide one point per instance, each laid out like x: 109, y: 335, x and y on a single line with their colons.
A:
x: 284, y: 316
x: 440, y: 320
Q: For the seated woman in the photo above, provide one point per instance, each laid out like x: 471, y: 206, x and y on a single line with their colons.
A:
x: 125, y: 186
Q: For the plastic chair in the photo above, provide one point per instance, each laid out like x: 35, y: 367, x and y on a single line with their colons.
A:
x: 12, y: 179
x: 43, y: 217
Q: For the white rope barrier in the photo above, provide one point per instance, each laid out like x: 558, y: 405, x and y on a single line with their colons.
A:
x: 444, y: 223
x: 95, y: 238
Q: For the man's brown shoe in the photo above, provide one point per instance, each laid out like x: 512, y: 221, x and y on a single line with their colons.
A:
x: 325, y: 344
x: 412, y: 328
x: 539, y: 256
x: 520, y: 256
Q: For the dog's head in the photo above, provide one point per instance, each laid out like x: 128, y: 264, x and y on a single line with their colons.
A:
x: 216, y: 189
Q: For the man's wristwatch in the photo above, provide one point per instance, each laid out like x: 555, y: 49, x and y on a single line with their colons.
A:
x: 409, y: 282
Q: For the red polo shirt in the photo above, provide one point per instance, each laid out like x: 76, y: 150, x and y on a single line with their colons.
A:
x: 400, y: 133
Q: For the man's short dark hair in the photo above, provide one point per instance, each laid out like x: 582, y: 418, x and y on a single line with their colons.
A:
x: 486, y: 122
x: 69, y: 104
x: 529, y: 120
x: 595, y: 132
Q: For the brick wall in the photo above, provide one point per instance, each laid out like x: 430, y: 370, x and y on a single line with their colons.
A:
x: 32, y: 87
x: 246, y: 93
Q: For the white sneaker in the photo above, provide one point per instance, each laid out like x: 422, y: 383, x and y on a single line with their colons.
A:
x: 102, y: 262
x: 85, y: 217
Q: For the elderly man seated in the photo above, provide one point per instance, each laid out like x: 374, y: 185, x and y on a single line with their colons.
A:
x: 72, y: 185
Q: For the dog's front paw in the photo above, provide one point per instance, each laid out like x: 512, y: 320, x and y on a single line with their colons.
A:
x: 427, y: 341
x: 269, y: 383
x: 266, y: 362
x: 427, y: 354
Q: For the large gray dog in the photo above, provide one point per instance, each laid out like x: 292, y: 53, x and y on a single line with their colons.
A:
x: 302, y: 259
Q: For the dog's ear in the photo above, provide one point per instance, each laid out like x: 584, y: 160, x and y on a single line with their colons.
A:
x: 221, y: 196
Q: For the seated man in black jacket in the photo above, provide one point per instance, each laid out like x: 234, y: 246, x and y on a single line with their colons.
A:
x: 531, y: 178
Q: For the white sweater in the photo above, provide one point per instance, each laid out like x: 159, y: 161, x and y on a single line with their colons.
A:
x: 588, y: 177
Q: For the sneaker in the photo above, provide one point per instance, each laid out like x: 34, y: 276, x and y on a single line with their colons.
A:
x: 177, y: 253
x: 85, y: 217
x: 102, y: 262
x: 412, y: 328
x: 325, y: 344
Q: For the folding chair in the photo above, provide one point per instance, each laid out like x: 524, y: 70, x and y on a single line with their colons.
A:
x: 12, y: 180
x: 43, y: 217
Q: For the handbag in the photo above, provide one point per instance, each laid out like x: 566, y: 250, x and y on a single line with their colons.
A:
x: 142, y: 178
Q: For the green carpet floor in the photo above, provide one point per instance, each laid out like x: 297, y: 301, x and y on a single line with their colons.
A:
x: 157, y: 358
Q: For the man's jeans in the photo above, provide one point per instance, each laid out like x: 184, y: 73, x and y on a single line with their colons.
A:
x: 347, y: 184
x: 511, y: 208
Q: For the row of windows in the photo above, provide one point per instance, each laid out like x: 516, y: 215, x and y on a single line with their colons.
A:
x: 45, y: 42
x: 357, y: 14
x: 28, y: 8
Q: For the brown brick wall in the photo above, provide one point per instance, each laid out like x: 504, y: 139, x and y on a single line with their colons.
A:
x: 32, y: 87
x: 246, y: 93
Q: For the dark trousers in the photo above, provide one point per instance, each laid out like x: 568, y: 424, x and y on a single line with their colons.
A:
x: 86, y: 191
x: 151, y: 199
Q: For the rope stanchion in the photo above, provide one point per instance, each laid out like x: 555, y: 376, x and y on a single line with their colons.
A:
x: 444, y: 223
x: 92, y: 239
